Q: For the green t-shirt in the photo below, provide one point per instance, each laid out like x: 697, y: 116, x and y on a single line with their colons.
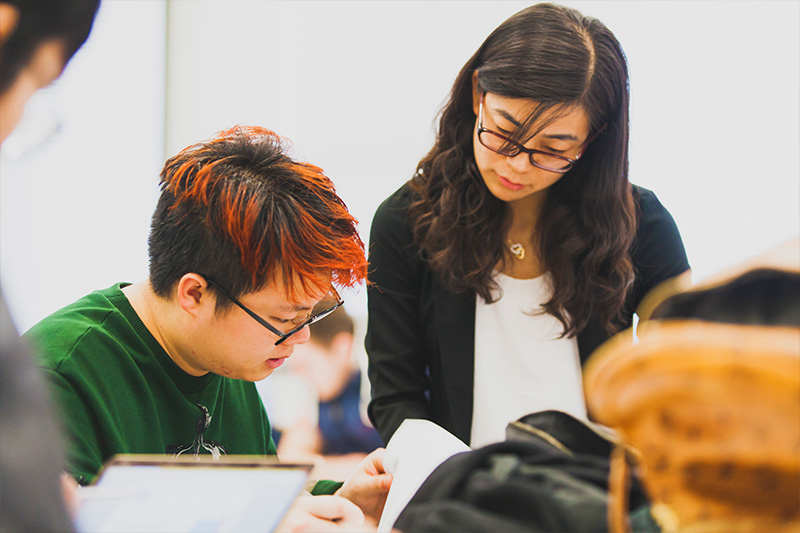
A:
x: 119, y: 391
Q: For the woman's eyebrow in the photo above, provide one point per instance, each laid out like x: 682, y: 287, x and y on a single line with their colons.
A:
x: 506, y: 115
x: 560, y: 136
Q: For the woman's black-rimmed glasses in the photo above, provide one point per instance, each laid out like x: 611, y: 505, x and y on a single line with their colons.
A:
x: 300, y: 323
x: 502, y: 145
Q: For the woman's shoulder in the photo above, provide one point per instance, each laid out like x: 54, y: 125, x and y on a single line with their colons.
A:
x: 658, y: 244
x: 650, y: 211
x: 391, y: 238
x: 646, y: 200
x: 399, y: 199
x: 393, y: 211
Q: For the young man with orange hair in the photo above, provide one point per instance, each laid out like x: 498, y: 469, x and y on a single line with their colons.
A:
x: 246, y: 246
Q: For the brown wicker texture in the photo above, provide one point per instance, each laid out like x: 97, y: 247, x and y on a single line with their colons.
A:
x: 713, y: 414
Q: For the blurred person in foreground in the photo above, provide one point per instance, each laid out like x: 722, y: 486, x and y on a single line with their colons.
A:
x: 326, y: 363
x: 37, y: 39
x: 246, y: 247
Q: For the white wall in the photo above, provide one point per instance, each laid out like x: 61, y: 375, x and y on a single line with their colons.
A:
x: 356, y: 85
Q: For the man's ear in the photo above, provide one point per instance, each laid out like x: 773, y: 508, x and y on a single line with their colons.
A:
x: 193, y: 294
x: 476, y: 94
x: 9, y: 17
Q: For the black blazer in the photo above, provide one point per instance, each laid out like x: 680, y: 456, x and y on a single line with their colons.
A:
x: 420, y: 336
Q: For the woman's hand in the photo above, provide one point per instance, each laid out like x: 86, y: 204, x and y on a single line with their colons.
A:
x: 368, y: 485
x: 323, y: 514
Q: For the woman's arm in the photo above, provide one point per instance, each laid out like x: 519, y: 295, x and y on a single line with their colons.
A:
x: 398, y: 359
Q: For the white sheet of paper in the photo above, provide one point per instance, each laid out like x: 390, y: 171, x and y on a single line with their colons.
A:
x: 414, y: 451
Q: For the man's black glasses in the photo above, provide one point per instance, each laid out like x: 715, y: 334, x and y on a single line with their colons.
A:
x: 300, y: 323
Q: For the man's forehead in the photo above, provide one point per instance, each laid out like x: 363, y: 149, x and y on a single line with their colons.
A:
x: 302, y: 295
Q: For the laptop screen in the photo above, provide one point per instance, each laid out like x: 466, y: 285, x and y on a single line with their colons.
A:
x: 154, y: 493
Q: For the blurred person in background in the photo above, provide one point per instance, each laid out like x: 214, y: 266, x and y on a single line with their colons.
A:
x: 37, y: 39
x: 327, y: 364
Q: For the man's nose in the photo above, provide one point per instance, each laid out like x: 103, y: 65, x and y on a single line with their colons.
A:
x: 300, y: 337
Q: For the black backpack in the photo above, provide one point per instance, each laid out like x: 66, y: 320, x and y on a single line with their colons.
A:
x: 550, y: 474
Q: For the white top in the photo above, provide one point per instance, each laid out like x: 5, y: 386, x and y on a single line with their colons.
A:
x: 521, y: 365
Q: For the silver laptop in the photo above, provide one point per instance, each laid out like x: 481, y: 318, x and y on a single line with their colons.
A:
x: 148, y: 493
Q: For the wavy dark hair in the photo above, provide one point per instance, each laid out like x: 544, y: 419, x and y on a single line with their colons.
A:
x: 563, y: 60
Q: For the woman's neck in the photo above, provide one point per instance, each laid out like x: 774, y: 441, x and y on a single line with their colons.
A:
x: 525, y: 214
x: 524, y: 261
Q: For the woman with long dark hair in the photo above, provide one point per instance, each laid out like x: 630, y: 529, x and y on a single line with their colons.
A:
x: 519, y: 245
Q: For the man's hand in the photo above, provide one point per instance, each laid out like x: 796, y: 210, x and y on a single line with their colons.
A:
x: 323, y: 514
x: 368, y: 485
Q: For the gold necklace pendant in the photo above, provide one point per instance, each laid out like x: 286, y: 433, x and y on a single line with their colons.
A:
x: 517, y: 250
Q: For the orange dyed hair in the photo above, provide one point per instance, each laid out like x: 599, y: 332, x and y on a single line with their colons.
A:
x: 240, y: 210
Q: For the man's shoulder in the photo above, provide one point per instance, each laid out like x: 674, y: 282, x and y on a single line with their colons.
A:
x: 82, y: 322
